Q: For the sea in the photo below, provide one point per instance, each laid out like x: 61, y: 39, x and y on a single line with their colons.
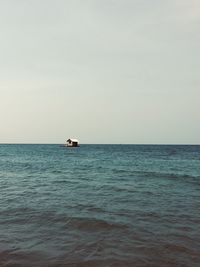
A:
x: 99, y: 205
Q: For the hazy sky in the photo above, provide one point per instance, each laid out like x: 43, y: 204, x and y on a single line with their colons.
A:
x: 102, y: 71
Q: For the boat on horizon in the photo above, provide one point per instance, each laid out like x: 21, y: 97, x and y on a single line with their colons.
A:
x: 72, y: 142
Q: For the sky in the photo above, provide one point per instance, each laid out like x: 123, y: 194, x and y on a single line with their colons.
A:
x: 101, y: 71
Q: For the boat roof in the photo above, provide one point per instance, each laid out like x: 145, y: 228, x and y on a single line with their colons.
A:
x: 73, y: 140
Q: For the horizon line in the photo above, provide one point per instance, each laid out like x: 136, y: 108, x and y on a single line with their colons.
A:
x: 170, y: 144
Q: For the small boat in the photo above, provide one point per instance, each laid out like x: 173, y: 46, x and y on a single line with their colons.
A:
x: 71, y: 142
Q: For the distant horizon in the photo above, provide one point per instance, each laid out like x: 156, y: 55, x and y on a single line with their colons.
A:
x: 135, y: 144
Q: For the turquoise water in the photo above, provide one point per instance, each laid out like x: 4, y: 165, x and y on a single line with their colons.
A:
x: 99, y: 205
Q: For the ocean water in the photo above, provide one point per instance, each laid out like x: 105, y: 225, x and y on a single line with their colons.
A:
x: 99, y: 205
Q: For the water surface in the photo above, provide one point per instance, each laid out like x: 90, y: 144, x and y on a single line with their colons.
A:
x: 99, y: 205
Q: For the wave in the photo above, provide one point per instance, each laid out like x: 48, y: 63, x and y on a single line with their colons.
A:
x: 95, y: 224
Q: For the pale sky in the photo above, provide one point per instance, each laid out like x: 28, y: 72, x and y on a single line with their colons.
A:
x: 102, y: 71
